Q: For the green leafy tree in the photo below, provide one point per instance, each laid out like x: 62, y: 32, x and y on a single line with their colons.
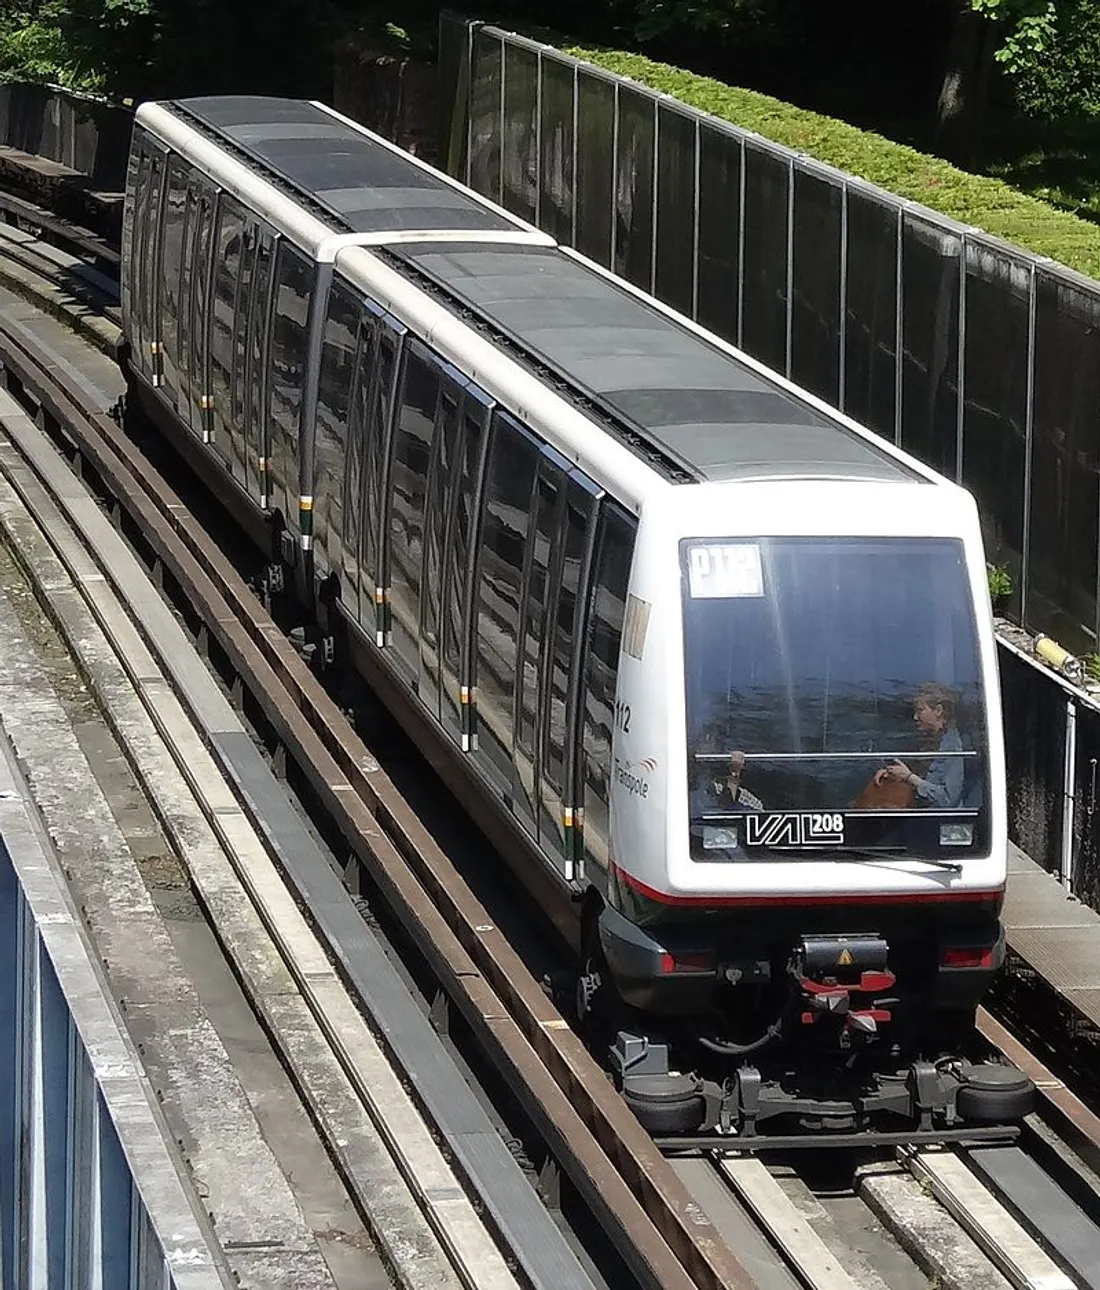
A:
x: 1013, y: 33
x: 34, y: 47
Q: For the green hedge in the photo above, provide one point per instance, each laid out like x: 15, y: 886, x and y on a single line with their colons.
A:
x: 989, y: 204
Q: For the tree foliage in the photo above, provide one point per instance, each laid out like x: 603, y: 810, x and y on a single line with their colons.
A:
x: 868, y: 62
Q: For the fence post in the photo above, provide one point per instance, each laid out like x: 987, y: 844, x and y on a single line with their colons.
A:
x: 1068, y: 786
x: 960, y: 393
x: 654, y: 213
x: 899, y: 326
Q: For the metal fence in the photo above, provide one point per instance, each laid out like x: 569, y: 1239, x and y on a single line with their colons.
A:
x: 1052, y: 763
x: 981, y: 359
x: 90, y: 1196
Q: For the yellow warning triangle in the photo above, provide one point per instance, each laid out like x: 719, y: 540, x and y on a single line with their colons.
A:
x: 845, y: 959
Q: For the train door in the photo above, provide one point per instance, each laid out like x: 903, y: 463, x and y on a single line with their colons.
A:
x: 170, y: 259
x: 547, y: 508
x: 441, y: 482
x: 573, y: 542
x: 414, y: 425
x: 374, y: 571
x: 233, y: 448
x: 332, y: 426
x: 502, y: 559
x: 603, y: 638
x: 255, y: 400
x: 353, y: 483
x: 201, y: 274
x: 143, y: 264
x: 456, y: 683
x: 228, y: 248
x: 187, y: 275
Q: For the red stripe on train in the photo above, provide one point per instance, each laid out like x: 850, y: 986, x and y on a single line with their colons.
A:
x: 850, y: 898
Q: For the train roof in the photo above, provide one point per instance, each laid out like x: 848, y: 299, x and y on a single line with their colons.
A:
x: 713, y: 414
x: 691, y: 407
x: 362, y: 184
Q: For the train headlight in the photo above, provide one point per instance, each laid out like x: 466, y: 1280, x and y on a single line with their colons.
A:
x: 956, y: 835
x: 719, y: 838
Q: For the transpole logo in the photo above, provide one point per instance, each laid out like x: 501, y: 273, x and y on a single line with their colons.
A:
x: 632, y: 780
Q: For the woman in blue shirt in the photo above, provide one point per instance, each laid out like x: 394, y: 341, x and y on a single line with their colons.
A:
x: 934, y: 713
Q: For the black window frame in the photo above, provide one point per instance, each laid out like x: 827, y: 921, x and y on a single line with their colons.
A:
x: 406, y: 560
x: 458, y: 651
x: 331, y: 452
x: 612, y: 516
x: 437, y: 509
x: 284, y: 394
x: 496, y: 761
x: 172, y: 220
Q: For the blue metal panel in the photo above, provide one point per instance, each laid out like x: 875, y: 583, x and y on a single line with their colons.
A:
x: 81, y: 1217
x: 115, y: 1205
x: 26, y: 1031
x: 55, y: 1022
x: 9, y: 1052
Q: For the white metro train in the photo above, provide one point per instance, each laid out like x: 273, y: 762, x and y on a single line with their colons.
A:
x: 711, y: 664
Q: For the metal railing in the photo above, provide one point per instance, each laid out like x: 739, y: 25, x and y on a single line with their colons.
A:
x: 89, y: 1191
x: 980, y: 358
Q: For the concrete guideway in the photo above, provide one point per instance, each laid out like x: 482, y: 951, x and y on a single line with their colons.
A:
x: 417, y: 1208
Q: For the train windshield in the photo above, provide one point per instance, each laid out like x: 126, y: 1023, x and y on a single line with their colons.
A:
x: 834, y: 698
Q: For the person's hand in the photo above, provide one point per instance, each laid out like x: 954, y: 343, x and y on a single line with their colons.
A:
x: 896, y: 770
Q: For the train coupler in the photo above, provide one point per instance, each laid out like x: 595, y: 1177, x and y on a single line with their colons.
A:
x: 845, y: 979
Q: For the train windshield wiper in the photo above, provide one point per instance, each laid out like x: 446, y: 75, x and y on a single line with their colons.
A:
x: 897, y: 853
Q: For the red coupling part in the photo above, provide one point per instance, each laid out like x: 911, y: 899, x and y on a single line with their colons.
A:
x: 832, y: 997
x: 868, y: 983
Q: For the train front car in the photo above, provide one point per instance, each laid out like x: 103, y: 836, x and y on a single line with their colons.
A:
x: 808, y: 852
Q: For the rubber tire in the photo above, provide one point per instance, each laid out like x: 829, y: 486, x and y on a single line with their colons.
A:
x: 1000, y: 1099
x: 668, y: 1113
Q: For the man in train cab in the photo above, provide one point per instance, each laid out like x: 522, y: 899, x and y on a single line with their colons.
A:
x: 934, y: 712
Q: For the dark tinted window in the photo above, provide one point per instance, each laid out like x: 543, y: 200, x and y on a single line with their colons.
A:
x: 378, y: 414
x: 255, y: 402
x: 187, y: 279
x: 171, y: 258
x: 201, y: 272
x: 440, y: 491
x: 228, y: 243
x: 293, y: 281
x: 459, y: 563
x: 567, y: 636
x: 234, y: 449
x: 605, y: 628
x: 133, y: 177
x: 144, y: 246
x: 504, y: 534
x: 412, y: 446
x: 333, y: 405
x: 541, y: 551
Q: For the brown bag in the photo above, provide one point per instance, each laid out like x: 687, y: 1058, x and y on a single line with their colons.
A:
x: 890, y: 795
